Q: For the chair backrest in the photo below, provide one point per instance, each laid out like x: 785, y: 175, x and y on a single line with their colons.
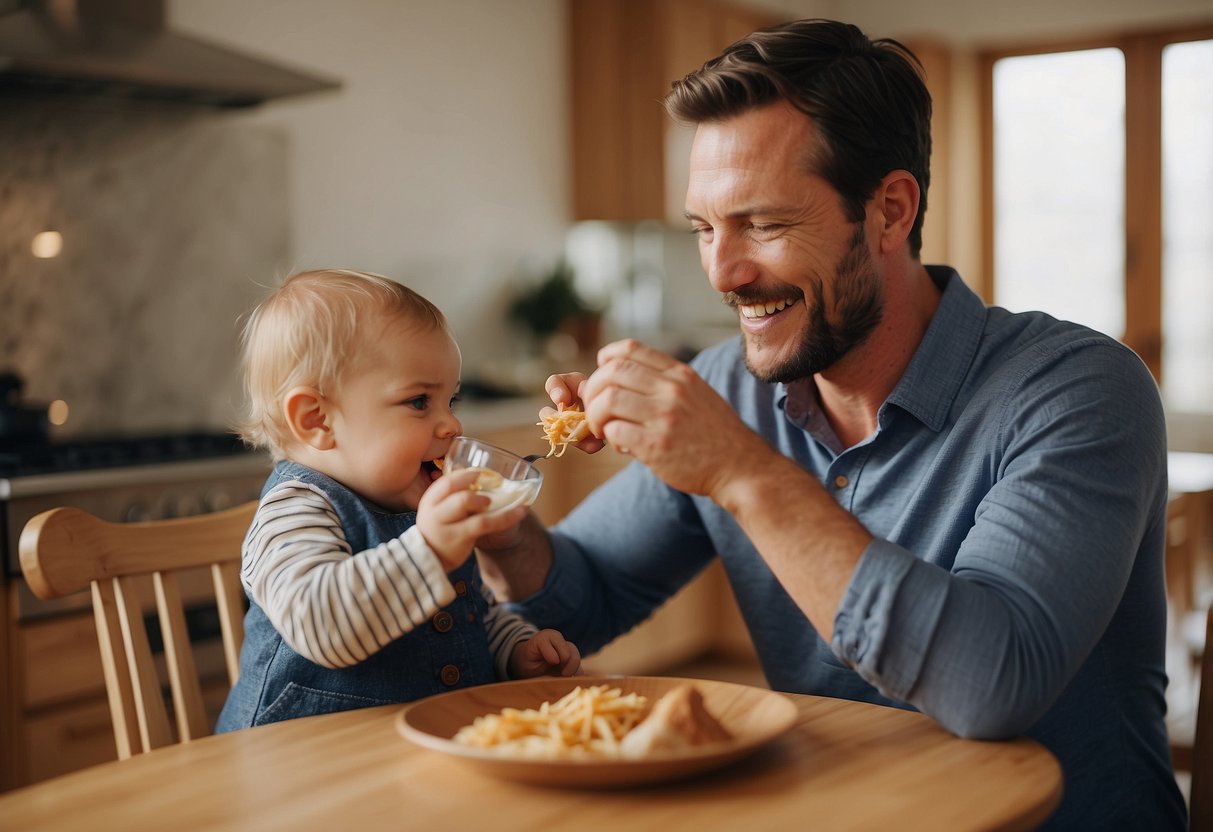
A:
x: 66, y: 550
x: 1200, y: 795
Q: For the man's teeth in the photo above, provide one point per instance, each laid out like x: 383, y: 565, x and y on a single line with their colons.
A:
x: 761, y: 310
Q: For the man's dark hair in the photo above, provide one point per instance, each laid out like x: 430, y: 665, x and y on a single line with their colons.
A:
x: 867, y: 99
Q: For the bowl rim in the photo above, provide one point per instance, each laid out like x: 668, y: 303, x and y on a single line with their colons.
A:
x: 533, y: 470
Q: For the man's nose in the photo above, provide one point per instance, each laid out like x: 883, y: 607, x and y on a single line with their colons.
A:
x: 727, y: 263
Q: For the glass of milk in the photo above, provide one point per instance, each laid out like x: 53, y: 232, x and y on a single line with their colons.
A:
x: 505, y: 478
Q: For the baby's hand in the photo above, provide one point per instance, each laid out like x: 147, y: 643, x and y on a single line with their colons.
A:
x: 545, y: 654
x: 451, y: 517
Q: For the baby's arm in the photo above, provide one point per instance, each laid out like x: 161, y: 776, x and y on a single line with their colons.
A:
x: 520, y: 650
x: 452, y: 517
x: 546, y: 654
x: 333, y: 607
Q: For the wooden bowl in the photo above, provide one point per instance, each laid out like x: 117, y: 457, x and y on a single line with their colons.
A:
x: 753, y: 716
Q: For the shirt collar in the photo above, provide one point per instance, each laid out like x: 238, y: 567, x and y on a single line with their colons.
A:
x: 933, y: 378
x: 941, y: 363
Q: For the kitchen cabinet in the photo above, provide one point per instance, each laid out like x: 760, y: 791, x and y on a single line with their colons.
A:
x: 57, y: 719
x: 628, y: 156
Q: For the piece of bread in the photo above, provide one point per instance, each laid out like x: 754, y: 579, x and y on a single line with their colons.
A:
x: 678, y: 721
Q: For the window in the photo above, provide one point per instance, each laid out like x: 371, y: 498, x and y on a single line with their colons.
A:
x: 1187, y: 225
x: 1099, y: 162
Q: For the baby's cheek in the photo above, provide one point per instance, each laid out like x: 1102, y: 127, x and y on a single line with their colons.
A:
x: 417, y: 489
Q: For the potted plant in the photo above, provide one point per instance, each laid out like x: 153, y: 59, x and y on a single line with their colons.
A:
x: 553, y: 306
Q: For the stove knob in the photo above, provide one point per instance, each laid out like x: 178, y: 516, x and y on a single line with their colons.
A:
x: 137, y: 513
x: 185, y: 505
x: 217, y: 500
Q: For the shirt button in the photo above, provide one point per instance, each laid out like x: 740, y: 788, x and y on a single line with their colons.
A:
x: 461, y: 588
x: 449, y: 675
x: 840, y: 481
x: 443, y: 621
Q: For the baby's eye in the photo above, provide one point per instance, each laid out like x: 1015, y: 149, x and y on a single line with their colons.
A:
x: 455, y: 399
x: 418, y: 402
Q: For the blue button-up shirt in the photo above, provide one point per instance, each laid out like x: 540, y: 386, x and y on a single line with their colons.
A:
x: 1016, y: 488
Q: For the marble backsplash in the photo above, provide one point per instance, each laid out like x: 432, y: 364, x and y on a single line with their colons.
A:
x: 173, y: 219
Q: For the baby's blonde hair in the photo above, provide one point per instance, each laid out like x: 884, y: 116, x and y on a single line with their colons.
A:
x: 305, y: 334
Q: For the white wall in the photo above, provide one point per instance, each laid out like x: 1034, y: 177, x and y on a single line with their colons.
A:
x: 442, y: 162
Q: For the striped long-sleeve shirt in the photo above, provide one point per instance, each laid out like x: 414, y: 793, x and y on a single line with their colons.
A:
x: 337, y: 607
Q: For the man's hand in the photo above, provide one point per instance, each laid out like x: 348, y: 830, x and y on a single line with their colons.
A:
x: 565, y: 388
x: 660, y: 411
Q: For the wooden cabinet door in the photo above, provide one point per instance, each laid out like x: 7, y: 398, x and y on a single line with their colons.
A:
x: 624, y: 54
x: 617, y: 118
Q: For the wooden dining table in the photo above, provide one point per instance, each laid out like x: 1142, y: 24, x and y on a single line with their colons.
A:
x: 843, y: 765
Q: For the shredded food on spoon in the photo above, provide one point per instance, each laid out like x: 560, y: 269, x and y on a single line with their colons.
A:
x: 567, y: 426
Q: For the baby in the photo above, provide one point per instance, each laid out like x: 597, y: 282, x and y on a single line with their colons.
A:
x: 358, y: 562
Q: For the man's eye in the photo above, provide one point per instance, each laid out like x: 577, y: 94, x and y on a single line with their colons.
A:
x: 765, y: 229
x: 702, y: 232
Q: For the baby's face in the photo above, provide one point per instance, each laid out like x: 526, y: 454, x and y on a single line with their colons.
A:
x: 392, y: 413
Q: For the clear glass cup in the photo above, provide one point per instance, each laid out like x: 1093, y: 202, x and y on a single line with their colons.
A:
x: 506, y: 479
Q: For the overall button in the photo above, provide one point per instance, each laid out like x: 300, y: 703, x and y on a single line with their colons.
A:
x: 449, y: 675
x: 840, y: 481
x: 461, y: 588
x: 443, y: 621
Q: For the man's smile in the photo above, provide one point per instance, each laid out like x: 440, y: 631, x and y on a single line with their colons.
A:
x: 762, y: 310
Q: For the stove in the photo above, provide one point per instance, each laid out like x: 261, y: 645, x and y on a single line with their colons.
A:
x: 30, y: 458
x: 119, y: 479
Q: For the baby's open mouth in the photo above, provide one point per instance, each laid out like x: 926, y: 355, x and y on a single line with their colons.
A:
x: 432, y: 467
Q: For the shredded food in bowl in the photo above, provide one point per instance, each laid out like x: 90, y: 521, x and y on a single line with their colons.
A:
x: 585, y: 722
x: 598, y: 722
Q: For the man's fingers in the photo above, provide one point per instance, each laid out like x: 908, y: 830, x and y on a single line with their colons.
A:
x: 630, y: 349
x: 564, y: 388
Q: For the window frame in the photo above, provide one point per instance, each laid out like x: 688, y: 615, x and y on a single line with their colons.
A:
x: 1143, y: 232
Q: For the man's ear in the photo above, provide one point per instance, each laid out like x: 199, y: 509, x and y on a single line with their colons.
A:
x: 307, y: 416
x: 897, y: 200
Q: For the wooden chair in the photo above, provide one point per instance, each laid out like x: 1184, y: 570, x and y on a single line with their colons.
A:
x: 1200, y: 795
x: 66, y: 550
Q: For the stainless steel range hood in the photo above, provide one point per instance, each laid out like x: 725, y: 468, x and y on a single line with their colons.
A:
x: 122, y: 48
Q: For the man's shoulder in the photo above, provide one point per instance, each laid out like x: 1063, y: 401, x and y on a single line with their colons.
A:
x: 1028, y: 342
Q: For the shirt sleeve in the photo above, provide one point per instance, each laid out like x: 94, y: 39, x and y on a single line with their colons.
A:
x: 1077, y: 504
x: 608, y: 576
x: 505, y: 630
x: 333, y: 606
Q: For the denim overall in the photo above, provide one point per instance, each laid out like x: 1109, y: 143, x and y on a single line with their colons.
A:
x: 276, y: 683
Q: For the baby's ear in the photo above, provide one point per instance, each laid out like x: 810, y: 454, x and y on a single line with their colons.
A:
x: 306, y: 412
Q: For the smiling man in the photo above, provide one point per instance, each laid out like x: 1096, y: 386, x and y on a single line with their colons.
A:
x: 920, y: 501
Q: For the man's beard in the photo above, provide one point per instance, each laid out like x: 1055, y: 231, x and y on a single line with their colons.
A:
x: 859, y: 305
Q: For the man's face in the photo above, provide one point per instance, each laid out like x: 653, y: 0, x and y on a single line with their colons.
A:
x: 776, y: 243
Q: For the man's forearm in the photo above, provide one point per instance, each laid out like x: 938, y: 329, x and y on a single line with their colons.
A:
x: 812, y: 550
x: 517, y: 566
